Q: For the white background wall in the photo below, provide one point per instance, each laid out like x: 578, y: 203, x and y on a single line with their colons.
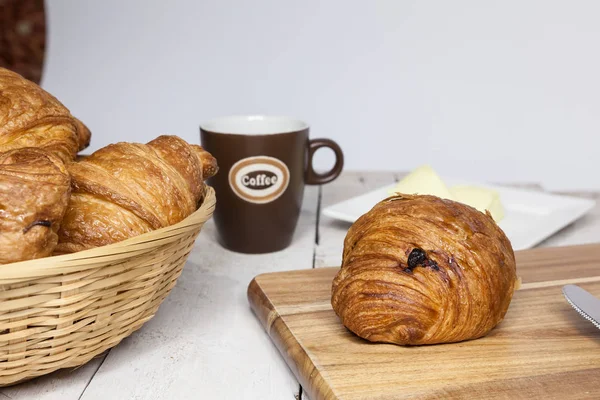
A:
x: 488, y: 90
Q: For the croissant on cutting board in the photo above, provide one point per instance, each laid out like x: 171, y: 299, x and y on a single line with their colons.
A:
x: 127, y: 189
x: 32, y: 117
x: 422, y: 270
x: 34, y: 191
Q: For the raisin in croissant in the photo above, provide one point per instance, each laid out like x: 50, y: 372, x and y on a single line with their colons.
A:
x: 126, y: 189
x: 422, y: 270
x: 32, y: 117
x: 34, y: 191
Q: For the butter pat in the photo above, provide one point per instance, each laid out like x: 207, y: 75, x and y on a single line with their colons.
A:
x: 423, y: 180
x: 480, y: 198
x: 497, y: 209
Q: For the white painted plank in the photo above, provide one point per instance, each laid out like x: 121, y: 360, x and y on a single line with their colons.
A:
x: 205, y: 341
x: 67, y: 384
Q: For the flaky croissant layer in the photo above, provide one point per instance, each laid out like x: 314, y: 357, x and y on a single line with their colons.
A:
x: 127, y: 189
x: 422, y: 270
x: 34, y: 192
x: 32, y: 117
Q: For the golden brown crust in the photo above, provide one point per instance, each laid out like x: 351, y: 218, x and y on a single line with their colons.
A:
x: 461, y: 291
x: 34, y: 192
x: 209, y: 163
x: 126, y: 189
x: 84, y: 135
x: 185, y: 158
x: 32, y: 117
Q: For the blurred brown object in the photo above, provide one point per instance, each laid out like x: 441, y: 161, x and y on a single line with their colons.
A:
x: 23, y: 37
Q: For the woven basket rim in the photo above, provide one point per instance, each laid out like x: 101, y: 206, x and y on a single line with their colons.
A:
x: 110, y: 253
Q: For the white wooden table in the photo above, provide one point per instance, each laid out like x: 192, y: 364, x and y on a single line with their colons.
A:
x: 204, y: 342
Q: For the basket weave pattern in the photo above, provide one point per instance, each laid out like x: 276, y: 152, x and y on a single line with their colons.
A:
x: 60, y: 312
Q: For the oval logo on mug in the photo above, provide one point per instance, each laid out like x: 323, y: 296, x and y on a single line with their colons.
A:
x: 259, y: 179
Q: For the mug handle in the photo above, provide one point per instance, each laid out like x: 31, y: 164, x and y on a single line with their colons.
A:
x: 314, y: 178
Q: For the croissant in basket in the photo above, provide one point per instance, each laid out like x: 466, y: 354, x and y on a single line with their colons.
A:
x: 422, y: 270
x: 32, y: 117
x: 127, y: 189
x: 34, y: 191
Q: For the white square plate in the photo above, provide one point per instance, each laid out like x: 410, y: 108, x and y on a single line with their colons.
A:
x: 530, y: 217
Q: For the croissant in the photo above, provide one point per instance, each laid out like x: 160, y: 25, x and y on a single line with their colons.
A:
x: 127, y: 189
x: 422, y: 270
x: 32, y: 117
x: 34, y: 192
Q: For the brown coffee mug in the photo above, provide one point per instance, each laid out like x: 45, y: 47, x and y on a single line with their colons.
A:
x: 264, y: 163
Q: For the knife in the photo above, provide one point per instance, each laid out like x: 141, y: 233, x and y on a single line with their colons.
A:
x: 584, y: 303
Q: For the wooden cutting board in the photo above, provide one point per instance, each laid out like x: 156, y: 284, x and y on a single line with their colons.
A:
x: 542, y: 350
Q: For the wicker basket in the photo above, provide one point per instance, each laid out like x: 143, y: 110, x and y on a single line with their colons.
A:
x: 60, y: 312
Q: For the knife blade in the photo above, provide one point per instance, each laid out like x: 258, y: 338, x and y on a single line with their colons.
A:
x: 584, y: 303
